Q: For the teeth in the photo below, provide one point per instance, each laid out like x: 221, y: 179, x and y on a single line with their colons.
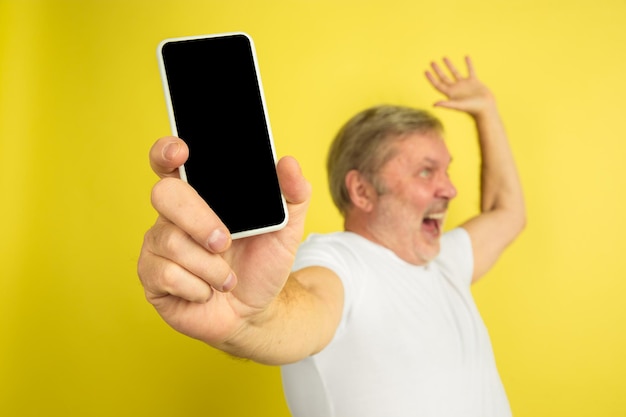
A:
x: 436, y: 216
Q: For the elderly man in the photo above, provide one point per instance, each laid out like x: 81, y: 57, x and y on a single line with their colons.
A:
x: 374, y: 320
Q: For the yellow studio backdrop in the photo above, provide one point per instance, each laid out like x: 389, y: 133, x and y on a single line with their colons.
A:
x: 81, y: 104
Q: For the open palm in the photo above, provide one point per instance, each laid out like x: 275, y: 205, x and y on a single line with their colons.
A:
x: 466, y: 94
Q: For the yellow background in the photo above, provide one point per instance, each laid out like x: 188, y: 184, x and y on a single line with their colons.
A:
x: 81, y: 103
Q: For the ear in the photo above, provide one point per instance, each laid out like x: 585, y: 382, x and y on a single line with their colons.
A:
x: 361, y: 191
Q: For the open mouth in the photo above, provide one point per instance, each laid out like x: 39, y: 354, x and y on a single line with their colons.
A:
x: 432, y: 223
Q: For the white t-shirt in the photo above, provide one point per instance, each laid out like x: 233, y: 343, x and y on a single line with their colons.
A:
x: 411, y: 341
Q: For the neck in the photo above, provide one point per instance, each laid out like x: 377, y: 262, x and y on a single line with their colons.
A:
x: 396, y: 241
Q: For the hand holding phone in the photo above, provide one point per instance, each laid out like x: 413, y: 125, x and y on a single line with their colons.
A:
x: 216, y: 104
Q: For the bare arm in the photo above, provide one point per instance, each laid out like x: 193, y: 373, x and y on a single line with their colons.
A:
x: 300, y: 322
x: 238, y: 296
x: 503, y: 213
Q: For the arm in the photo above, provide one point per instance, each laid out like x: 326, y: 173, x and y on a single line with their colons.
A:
x: 300, y: 322
x: 503, y: 214
x: 238, y: 296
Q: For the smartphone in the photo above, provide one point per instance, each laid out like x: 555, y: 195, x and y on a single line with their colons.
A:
x: 216, y: 104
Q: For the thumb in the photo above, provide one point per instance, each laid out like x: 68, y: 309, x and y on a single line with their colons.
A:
x: 454, y: 105
x: 470, y: 106
x: 295, y: 187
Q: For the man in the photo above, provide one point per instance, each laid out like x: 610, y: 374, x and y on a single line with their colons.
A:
x: 378, y: 319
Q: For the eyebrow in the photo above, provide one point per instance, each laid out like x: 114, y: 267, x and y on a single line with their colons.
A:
x: 434, y: 161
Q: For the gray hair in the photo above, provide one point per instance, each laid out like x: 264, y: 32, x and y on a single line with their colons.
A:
x: 363, y: 144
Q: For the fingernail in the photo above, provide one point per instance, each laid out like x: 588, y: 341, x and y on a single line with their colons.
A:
x: 230, y: 283
x: 217, y: 240
x: 171, y: 150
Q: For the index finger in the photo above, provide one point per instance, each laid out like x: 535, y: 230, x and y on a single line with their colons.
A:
x: 167, y: 155
x: 180, y: 204
x: 470, y: 67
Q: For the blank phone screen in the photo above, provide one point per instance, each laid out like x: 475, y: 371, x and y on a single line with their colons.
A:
x: 219, y: 112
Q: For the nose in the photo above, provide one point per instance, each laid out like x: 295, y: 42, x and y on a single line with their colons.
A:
x: 446, y: 189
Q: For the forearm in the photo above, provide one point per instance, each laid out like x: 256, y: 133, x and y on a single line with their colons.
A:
x: 501, y: 189
x: 300, y: 322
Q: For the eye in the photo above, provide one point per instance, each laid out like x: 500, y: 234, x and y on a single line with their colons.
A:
x: 425, y: 172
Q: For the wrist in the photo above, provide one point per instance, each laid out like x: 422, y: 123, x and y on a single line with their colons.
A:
x: 488, y: 111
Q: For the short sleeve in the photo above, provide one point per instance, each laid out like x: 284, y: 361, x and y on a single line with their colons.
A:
x: 335, y: 251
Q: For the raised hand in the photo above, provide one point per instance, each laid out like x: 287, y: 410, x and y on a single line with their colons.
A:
x: 503, y: 214
x: 467, y: 94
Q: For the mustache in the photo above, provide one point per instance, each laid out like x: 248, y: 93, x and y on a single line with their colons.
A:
x: 437, y: 207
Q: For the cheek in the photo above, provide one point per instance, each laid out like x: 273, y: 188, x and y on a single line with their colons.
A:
x: 420, y: 198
